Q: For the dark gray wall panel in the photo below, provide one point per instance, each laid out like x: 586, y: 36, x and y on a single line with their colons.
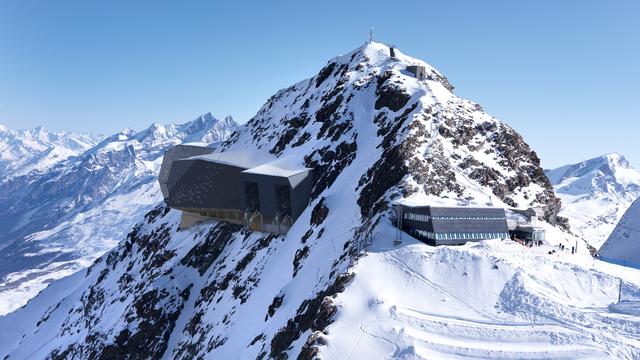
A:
x: 176, y: 153
x: 207, y: 185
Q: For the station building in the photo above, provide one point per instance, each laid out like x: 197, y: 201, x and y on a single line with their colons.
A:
x: 452, y: 225
x: 250, y: 188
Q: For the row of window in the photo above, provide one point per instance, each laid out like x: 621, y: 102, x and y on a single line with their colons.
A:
x: 417, y: 217
x: 426, y: 218
x: 471, y: 236
x: 461, y: 236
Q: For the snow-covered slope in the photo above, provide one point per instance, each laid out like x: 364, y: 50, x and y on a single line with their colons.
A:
x: 492, y: 300
x: 595, y: 194
x: 374, y: 134
x: 623, y: 246
x: 22, y: 151
x: 57, y: 220
x: 217, y: 291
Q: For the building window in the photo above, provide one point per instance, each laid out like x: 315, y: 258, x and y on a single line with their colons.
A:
x: 283, y: 198
x: 252, y: 196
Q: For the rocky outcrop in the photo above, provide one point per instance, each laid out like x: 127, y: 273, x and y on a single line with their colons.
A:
x: 313, y: 314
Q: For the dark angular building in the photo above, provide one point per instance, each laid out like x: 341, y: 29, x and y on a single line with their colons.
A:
x: 247, y: 188
x: 452, y: 225
x: 170, y: 156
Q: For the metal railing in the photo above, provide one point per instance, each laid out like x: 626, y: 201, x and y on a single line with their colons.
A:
x: 253, y: 220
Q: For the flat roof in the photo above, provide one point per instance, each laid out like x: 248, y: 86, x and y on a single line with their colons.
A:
x: 274, y: 169
x: 254, y: 162
x: 458, y: 210
x: 468, y: 211
x: 243, y: 159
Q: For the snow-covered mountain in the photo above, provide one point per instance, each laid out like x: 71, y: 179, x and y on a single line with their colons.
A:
x: 375, y: 134
x: 623, y: 246
x: 22, y: 151
x: 595, y: 194
x: 55, y: 221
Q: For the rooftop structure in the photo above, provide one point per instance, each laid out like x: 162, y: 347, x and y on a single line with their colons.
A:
x: 528, y: 233
x: 247, y: 188
x: 419, y: 71
x: 522, y: 224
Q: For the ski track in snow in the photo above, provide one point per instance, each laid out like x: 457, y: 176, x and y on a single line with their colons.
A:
x: 403, y: 328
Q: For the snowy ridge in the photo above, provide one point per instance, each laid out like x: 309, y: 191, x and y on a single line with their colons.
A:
x: 595, y: 194
x: 84, y: 204
x: 623, y: 246
x: 471, y: 158
x: 374, y: 134
x: 22, y: 151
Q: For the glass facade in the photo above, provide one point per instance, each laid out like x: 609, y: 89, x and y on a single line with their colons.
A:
x: 252, y: 194
x: 283, y: 198
x: 460, y: 236
x: 417, y: 217
x: 539, y: 235
x: 530, y: 234
x: 470, y: 236
x: 426, y: 218
x: 454, y: 225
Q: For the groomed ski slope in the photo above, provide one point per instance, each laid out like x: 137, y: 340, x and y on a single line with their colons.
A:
x: 495, y: 299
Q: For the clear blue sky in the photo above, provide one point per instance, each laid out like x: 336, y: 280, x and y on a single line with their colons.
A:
x: 566, y: 74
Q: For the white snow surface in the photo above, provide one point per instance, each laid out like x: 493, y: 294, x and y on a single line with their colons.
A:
x: 595, y: 194
x: 211, y: 291
x: 623, y: 246
x: 489, y: 300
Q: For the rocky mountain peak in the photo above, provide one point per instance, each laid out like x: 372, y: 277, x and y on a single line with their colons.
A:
x: 420, y: 139
x: 618, y: 161
x: 604, y: 175
x: 375, y: 130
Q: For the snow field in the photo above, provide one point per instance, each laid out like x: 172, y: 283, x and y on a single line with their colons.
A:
x: 495, y: 299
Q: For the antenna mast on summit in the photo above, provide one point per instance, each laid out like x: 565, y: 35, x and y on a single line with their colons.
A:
x: 370, y: 35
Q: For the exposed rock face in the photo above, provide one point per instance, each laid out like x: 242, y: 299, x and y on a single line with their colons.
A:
x: 373, y: 134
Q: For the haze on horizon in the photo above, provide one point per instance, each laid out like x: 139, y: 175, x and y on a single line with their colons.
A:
x: 563, y: 74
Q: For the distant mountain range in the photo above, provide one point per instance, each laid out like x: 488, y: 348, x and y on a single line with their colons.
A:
x: 595, y: 194
x: 67, y: 198
x: 22, y: 151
